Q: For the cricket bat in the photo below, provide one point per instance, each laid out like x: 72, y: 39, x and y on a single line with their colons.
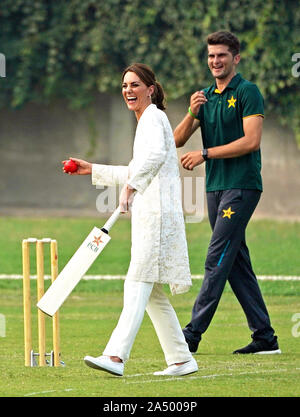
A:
x: 77, y: 266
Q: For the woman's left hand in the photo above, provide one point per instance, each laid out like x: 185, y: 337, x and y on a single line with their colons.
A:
x: 126, y: 198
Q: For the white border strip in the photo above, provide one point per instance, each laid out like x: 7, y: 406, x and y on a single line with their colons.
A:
x: 115, y: 277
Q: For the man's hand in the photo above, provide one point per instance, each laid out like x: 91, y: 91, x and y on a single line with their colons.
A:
x: 126, y: 198
x: 196, y: 100
x: 189, y: 124
x: 191, y: 159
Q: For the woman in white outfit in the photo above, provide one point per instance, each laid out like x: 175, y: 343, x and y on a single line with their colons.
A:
x: 152, y: 189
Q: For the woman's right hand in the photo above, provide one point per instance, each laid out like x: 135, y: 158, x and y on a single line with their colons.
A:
x: 84, y: 167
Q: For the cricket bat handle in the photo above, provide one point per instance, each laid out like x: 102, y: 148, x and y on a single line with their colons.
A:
x: 111, y: 221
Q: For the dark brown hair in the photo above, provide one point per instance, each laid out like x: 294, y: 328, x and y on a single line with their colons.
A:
x: 225, y: 38
x: 146, y: 75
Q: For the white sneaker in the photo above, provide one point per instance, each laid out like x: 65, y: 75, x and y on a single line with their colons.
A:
x: 104, y: 363
x: 177, y: 370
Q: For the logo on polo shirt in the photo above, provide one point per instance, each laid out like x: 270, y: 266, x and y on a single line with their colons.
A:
x: 231, y: 102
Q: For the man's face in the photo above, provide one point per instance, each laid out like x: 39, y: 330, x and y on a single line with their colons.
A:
x: 221, y: 62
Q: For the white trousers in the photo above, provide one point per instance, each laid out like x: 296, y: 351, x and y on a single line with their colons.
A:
x: 149, y: 296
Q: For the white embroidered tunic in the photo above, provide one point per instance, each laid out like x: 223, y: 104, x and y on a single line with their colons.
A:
x: 158, y: 242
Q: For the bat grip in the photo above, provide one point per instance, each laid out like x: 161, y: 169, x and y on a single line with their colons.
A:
x: 111, y: 221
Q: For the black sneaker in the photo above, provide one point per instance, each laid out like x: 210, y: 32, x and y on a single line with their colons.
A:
x: 260, y: 347
x: 193, y: 346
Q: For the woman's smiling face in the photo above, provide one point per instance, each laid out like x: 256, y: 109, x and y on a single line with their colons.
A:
x: 136, y: 94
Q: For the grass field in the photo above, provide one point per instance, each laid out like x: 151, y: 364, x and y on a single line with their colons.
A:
x: 91, y: 312
x: 274, y: 245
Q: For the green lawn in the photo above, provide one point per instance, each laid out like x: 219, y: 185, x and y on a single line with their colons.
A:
x: 274, y: 245
x: 90, y: 314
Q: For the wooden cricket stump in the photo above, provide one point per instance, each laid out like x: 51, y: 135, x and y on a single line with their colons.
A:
x: 30, y: 355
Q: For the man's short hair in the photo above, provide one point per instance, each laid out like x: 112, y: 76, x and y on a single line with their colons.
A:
x: 225, y: 38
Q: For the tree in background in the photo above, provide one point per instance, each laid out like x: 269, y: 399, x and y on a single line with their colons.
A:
x: 74, y: 49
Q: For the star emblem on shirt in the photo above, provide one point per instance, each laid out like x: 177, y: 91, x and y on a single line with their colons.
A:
x: 228, y: 213
x: 97, y: 240
x: 231, y: 102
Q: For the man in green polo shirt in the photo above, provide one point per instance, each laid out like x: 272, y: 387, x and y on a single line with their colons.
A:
x: 230, y: 114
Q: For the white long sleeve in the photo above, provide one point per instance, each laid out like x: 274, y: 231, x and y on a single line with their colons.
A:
x: 109, y: 175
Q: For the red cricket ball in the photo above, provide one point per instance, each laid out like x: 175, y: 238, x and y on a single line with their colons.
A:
x: 70, y: 166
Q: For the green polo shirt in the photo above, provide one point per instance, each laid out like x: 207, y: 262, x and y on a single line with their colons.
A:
x: 221, y: 122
